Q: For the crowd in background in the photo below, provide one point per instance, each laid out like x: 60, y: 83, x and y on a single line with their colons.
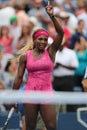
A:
x: 18, y: 20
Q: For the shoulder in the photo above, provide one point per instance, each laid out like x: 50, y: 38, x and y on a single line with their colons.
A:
x: 51, y: 53
x: 28, y: 53
x: 22, y: 58
x: 70, y: 51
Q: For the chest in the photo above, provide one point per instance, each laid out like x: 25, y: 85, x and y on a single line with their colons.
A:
x: 43, y: 63
x: 6, y: 41
x: 82, y: 57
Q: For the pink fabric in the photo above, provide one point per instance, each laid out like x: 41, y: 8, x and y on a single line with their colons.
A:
x: 67, y: 33
x: 39, y: 72
x: 41, y: 32
x: 7, y: 44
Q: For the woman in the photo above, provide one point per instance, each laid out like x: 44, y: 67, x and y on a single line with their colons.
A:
x: 10, y: 72
x: 81, y: 53
x: 6, y: 40
x: 39, y: 62
x: 24, y: 38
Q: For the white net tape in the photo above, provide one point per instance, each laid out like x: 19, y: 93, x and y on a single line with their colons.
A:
x: 15, y: 96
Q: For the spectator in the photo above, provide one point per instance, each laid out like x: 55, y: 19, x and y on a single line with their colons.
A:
x: 24, y: 38
x: 69, y: 20
x: 63, y: 73
x: 10, y: 73
x: 4, y: 16
x: 39, y: 12
x: 79, y: 32
x: 80, y: 8
x: 67, y: 36
x: 21, y: 15
x: 29, y: 5
x: 83, y: 16
x: 14, y: 32
x: 2, y: 106
x: 81, y: 53
x: 33, y: 24
x: 6, y: 40
x: 4, y: 57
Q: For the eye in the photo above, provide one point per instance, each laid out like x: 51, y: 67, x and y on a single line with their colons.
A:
x: 44, y: 39
x: 40, y: 39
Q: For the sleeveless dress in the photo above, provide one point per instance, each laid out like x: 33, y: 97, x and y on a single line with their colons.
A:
x: 39, y: 72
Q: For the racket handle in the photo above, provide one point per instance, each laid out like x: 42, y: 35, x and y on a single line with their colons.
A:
x: 4, y: 128
x: 9, y: 116
x: 11, y: 112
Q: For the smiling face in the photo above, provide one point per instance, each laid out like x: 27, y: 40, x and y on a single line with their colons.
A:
x: 41, y: 42
x: 40, y: 38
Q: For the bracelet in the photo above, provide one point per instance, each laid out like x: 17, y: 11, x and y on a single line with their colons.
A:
x: 52, y: 16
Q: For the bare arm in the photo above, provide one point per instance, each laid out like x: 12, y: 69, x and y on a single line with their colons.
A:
x: 65, y: 66
x: 20, y: 72
x: 84, y: 84
x: 58, y: 40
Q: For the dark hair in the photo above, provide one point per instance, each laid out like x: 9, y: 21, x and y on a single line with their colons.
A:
x: 81, y: 20
x: 2, y: 28
x: 78, y: 40
x: 17, y: 6
x: 7, y: 66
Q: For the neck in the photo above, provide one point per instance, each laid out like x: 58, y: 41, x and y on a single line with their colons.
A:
x: 38, y: 51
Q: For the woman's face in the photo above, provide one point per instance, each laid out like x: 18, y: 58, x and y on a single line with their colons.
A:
x: 41, y: 42
x: 25, y: 30
x: 4, y: 31
x: 81, y: 25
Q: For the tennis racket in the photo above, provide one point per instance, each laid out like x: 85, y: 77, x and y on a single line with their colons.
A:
x: 8, y: 118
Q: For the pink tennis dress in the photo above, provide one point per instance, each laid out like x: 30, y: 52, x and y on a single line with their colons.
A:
x: 39, y: 72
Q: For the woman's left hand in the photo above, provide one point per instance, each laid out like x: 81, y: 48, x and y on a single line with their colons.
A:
x: 49, y: 9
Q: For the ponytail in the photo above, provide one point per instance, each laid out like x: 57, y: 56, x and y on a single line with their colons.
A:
x: 28, y: 46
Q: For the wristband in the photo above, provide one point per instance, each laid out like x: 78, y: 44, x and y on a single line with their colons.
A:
x: 52, y: 16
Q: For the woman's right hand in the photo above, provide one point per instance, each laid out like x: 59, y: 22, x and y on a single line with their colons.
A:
x: 49, y: 9
x: 15, y: 107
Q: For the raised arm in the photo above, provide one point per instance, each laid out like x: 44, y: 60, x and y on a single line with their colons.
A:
x: 20, y: 72
x: 58, y: 40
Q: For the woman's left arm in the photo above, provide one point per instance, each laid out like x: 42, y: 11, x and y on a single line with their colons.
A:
x: 59, y: 37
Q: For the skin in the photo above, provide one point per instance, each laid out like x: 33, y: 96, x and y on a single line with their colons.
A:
x: 47, y: 112
x: 59, y: 64
x: 84, y: 83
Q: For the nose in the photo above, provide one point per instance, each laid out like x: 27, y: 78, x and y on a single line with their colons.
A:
x: 43, y: 41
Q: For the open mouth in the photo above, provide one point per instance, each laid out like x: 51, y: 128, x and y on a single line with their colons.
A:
x: 41, y: 46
